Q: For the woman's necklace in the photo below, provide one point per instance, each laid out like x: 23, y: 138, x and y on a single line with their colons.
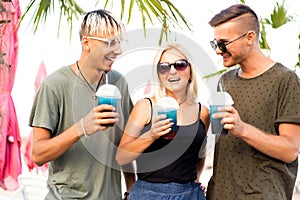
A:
x: 93, y: 90
x: 182, y: 101
x: 180, y: 108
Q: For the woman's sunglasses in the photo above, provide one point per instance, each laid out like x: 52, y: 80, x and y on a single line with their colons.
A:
x: 179, y: 65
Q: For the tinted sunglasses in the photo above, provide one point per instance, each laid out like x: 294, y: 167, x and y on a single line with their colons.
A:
x: 179, y: 65
x: 222, y: 45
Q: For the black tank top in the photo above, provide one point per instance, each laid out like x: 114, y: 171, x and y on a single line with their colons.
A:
x: 173, y: 160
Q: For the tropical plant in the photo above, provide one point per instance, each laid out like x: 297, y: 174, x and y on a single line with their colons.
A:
x: 163, y: 10
x: 279, y: 17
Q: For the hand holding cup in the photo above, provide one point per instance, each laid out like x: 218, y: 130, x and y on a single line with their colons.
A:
x: 218, y: 100
x: 108, y: 94
x: 168, y: 106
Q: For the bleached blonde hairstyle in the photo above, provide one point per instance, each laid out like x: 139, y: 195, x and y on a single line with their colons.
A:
x: 101, y: 22
x: 192, y: 87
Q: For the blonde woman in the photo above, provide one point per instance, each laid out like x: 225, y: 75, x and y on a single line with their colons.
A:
x: 167, y: 169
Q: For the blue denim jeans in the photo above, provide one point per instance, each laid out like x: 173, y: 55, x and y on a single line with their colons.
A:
x: 143, y: 190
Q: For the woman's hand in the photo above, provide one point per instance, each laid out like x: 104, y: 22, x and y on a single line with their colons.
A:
x: 160, y: 126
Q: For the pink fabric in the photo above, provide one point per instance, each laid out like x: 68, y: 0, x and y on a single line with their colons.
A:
x: 27, y: 155
x: 147, y: 89
x: 10, y: 140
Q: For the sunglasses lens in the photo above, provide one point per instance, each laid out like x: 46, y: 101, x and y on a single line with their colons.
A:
x: 181, y: 65
x: 163, y: 68
x: 213, y: 45
x: 114, y: 43
x: 222, y: 47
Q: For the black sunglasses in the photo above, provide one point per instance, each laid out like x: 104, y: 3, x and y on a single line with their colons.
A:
x: 222, y: 45
x: 179, y: 65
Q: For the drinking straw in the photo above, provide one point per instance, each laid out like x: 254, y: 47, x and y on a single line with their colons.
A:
x: 221, y: 87
x: 106, y: 78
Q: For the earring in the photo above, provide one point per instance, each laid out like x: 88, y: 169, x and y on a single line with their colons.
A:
x: 190, y: 80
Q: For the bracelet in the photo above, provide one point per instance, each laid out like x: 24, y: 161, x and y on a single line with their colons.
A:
x: 82, y: 127
x: 126, y: 194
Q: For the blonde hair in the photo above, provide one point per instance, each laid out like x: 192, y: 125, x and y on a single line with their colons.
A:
x: 192, y: 87
x: 101, y: 22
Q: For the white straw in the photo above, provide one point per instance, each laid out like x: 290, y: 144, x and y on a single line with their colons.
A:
x: 106, y: 78
x: 221, y: 87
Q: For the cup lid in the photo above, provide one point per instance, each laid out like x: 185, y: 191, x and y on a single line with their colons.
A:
x: 109, y: 90
x: 167, y: 103
x: 221, y: 98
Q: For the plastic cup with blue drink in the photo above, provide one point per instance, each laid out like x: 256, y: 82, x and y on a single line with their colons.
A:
x: 218, y: 99
x: 169, y: 107
x: 108, y: 94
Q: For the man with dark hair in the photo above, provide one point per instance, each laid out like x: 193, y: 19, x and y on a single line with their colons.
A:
x: 258, y: 158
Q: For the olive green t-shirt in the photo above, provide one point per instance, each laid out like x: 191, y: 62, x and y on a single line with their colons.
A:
x: 240, y: 172
x: 88, y: 169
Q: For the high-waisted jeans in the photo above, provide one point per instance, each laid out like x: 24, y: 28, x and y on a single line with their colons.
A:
x: 143, y: 190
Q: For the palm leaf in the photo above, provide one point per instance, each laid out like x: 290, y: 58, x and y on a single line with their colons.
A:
x: 68, y: 10
x: 279, y: 16
x: 263, y: 36
x: 215, y: 74
x: 130, y: 10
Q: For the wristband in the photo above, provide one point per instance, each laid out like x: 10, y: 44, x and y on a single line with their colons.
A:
x: 82, y: 127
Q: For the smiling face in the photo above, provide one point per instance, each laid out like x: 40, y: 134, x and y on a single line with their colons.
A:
x: 101, y: 52
x: 100, y: 35
x: 175, y: 80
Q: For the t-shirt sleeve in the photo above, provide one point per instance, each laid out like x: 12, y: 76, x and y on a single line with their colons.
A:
x: 289, y: 99
x: 44, y: 111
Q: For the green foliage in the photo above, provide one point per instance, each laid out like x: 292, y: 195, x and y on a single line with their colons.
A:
x: 68, y: 10
x: 279, y: 16
x: 163, y: 10
x: 216, y: 73
x: 263, y: 36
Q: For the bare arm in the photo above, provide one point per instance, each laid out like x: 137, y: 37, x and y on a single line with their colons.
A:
x: 205, y: 118
x: 284, y: 146
x: 133, y: 143
x: 45, y: 148
x: 129, y: 175
x: 200, y: 167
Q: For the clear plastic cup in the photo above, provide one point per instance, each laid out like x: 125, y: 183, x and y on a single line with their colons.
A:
x: 218, y: 99
x: 169, y: 107
x: 108, y: 94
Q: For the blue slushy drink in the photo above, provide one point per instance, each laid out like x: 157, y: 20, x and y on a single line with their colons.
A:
x: 169, y: 107
x: 109, y: 94
x: 218, y: 99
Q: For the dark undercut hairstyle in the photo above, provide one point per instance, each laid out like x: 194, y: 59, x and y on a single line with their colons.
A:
x: 237, y: 12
